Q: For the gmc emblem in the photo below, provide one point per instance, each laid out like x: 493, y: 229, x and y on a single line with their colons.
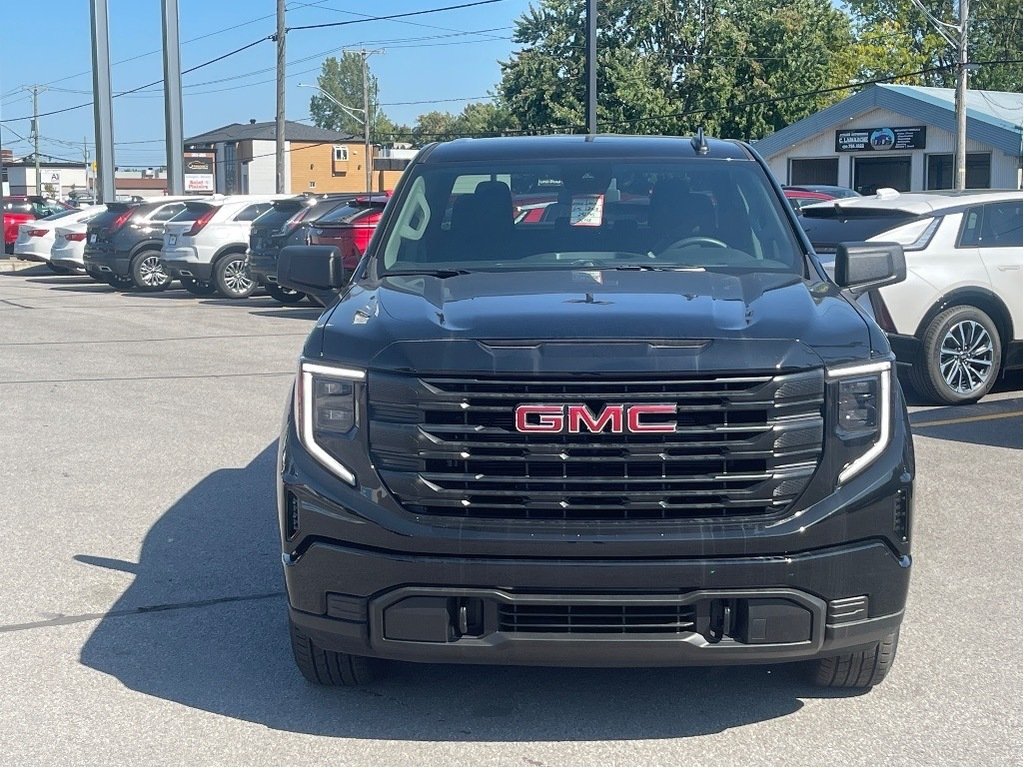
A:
x: 579, y: 418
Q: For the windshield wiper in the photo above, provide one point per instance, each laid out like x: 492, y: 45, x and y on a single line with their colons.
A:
x: 656, y: 268
x: 442, y: 273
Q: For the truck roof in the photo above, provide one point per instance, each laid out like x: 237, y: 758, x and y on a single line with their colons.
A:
x: 564, y: 147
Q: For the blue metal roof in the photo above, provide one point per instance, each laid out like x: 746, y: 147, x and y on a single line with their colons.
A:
x: 993, y: 117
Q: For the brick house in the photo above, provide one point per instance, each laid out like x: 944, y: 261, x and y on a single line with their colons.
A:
x: 316, y: 159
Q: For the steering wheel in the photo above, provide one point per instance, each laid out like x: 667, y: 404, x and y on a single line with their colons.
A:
x: 686, y: 242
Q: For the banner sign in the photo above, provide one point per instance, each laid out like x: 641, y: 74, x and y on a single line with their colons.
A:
x: 880, y: 139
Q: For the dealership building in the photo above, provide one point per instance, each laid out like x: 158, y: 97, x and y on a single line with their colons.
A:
x: 903, y: 137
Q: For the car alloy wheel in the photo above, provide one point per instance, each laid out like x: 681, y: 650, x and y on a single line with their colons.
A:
x: 233, y: 278
x: 151, y: 272
x: 966, y: 357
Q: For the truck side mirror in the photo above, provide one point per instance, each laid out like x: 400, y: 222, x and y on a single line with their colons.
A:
x: 862, y: 266
x: 316, y: 270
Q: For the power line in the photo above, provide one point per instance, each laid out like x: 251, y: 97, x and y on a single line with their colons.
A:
x: 400, y: 21
x: 184, y: 42
x: 147, y: 85
x: 394, y: 15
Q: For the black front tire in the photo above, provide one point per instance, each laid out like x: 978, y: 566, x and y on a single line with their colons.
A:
x: 198, y: 287
x: 59, y: 270
x: 232, y: 278
x: 148, y: 273
x: 284, y: 295
x: 968, y: 381
x: 330, y: 667
x: 858, y: 669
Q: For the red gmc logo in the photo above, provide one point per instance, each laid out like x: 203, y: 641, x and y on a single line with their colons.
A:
x: 579, y: 418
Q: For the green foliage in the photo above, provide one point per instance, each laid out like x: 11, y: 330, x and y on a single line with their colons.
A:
x: 912, y: 43
x: 343, y: 79
x: 687, y: 63
x: 476, y: 119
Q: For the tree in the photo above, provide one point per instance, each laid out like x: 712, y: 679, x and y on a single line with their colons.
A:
x: 476, y: 119
x: 994, y: 34
x: 343, y: 79
x: 669, y: 66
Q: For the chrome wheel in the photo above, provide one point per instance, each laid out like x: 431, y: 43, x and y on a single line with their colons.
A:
x: 151, y: 272
x: 236, y: 278
x: 966, y: 357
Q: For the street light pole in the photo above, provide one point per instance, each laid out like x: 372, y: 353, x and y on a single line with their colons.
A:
x: 353, y: 113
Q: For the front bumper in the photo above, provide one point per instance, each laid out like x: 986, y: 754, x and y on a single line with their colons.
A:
x: 404, y: 607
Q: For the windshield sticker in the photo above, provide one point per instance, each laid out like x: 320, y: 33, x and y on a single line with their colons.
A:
x: 587, y: 210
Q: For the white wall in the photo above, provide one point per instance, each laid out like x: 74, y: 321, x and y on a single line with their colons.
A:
x: 937, y: 141
x: 22, y: 180
x: 262, y: 169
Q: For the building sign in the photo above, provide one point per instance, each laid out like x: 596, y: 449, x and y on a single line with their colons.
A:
x: 880, y: 139
x: 199, y: 174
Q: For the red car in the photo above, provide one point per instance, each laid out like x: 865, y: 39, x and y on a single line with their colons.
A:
x: 799, y: 197
x: 19, y: 210
x: 349, y: 227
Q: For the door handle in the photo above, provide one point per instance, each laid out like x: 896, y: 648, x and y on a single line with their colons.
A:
x: 1008, y: 267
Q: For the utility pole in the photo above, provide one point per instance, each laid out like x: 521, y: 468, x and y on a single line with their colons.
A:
x: 960, y: 162
x: 591, y: 67
x: 1, y: 172
x: 103, y: 105
x: 367, y: 116
x: 956, y: 36
x: 172, y: 100
x: 35, y: 137
x: 366, y: 122
x: 281, y: 186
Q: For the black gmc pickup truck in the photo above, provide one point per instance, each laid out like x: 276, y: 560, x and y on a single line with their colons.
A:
x: 593, y: 401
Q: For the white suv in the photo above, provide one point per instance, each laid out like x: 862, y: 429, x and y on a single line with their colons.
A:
x: 204, y: 245
x: 956, y: 320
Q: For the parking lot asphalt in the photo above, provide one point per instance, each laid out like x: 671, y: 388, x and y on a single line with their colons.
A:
x: 142, y: 614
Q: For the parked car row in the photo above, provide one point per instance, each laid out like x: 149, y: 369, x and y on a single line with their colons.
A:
x: 205, y: 243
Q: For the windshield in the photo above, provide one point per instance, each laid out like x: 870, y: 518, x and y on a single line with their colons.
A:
x: 684, y: 214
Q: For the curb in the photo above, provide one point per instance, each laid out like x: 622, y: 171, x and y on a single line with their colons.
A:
x: 13, y: 264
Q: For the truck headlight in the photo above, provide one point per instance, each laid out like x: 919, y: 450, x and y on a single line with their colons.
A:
x: 863, y: 413
x: 325, y: 412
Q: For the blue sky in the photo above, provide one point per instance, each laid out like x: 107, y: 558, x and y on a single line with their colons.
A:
x: 444, y: 67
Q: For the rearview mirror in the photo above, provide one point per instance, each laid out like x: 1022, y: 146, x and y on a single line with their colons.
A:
x: 316, y: 270
x: 863, y: 266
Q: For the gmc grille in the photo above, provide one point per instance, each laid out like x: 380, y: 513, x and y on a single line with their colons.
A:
x: 744, y: 446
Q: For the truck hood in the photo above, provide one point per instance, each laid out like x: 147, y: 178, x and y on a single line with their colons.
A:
x: 591, y: 321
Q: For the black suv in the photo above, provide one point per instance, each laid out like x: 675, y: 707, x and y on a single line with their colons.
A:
x: 286, y: 223
x: 643, y: 430
x: 122, y: 244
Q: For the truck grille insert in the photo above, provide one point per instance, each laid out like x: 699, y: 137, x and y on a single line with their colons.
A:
x: 744, y: 446
x: 597, y: 619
